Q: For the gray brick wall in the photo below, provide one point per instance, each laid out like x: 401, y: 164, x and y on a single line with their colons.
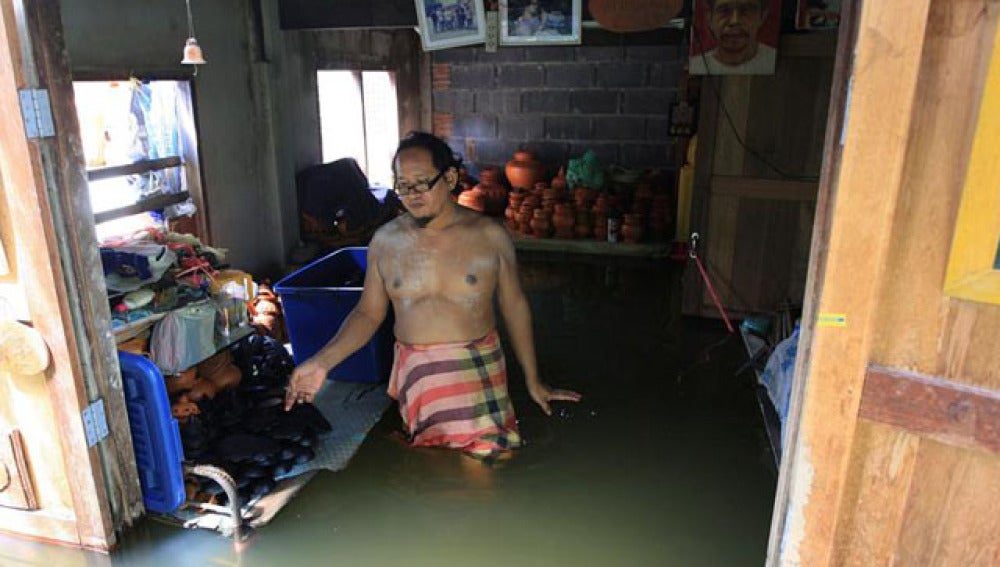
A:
x: 561, y: 101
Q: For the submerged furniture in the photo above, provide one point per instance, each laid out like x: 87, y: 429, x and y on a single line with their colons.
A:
x: 157, y: 444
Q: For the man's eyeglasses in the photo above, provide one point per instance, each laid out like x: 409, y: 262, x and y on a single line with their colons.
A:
x: 419, y: 188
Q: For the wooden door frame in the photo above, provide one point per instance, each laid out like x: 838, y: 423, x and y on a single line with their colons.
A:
x: 59, y: 266
x: 878, y: 60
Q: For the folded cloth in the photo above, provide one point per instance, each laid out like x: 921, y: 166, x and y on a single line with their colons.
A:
x: 455, y: 395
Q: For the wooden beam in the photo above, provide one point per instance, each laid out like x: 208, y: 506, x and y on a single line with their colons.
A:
x: 947, y: 411
x: 320, y: 14
x: 850, y: 244
x: 151, y: 204
x: 143, y: 166
x: 760, y: 188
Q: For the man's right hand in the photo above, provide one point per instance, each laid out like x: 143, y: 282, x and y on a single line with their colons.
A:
x: 305, y: 382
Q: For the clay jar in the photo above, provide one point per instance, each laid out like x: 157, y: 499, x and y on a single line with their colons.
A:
x: 494, y: 193
x: 540, y: 224
x: 524, y: 170
x: 563, y: 221
x: 600, y: 226
x: 524, y: 217
x: 583, y: 228
x: 632, y: 229
x: 559, y: 183
x: 473, y: 199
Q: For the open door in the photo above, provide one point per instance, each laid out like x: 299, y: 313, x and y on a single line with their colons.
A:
x: 67, y: 470
x: 895, y: 459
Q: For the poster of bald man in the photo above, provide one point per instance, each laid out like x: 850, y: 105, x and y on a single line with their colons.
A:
x: 735, y: 37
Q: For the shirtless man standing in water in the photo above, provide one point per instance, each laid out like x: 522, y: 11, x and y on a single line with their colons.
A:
x: 440, y: 266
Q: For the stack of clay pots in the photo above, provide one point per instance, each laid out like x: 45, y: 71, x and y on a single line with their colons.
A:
x: 549, y: 209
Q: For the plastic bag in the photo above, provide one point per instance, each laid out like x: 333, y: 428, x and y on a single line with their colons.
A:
x: 586, y: 171
x: 184, y: 337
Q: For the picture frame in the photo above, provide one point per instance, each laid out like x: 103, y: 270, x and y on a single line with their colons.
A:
x: 540, y: 22
x: 734, y: 37
x: 450, y: 23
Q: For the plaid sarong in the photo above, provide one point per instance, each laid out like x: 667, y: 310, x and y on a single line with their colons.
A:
x: 455, y: 395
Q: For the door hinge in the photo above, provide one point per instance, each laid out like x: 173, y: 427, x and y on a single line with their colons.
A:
x: 95, y: 423
x: 37, y: 113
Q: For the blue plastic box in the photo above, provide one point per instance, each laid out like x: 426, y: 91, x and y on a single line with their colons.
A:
x: 156, y: 438
x: 315, y: 305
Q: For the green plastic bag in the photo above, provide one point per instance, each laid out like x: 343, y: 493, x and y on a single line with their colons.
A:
x: 586, y: 171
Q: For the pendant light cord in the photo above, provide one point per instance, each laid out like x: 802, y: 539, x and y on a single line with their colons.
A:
x: 190, y: 19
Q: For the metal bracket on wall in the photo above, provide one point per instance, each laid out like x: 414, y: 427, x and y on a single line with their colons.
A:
x: 95, y: 423
x: 37, y: 113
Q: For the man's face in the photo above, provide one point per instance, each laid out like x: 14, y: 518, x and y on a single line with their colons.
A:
x: 735, y: 24
x: 423, y: 189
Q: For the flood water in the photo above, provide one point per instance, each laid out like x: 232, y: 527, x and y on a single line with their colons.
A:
x: 663, y: 463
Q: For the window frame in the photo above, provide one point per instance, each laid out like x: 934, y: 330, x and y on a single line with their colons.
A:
x: 189, y: 160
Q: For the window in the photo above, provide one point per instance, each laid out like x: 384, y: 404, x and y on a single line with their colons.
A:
x: 359, y: 119
x: 139, y: 144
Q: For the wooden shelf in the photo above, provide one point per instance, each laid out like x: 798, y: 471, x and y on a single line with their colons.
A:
x: 594, y: 247
x: 136, y: 328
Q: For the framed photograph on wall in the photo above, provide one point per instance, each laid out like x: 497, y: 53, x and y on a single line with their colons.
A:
x: 450, y: 23
x: 818, y: 14
x: 735, y: 37
x: 540, y: 22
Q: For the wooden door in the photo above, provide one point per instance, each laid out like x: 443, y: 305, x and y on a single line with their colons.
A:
x: 70, y: 489
x: 895, y: 459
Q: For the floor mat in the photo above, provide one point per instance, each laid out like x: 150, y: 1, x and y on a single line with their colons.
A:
x: 352, y: 410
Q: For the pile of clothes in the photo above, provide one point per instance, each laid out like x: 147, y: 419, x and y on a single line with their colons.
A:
x: 231, y: 415
x: 154, y: 272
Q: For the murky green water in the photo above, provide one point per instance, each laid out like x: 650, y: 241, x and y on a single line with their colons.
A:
x: 664, y: 463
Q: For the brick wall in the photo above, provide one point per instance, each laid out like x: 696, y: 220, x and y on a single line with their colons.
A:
x: 558, y: 101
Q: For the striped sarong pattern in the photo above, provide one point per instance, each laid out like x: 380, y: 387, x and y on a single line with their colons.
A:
x: 455, y: 395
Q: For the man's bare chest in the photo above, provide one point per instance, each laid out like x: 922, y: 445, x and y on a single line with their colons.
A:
x: 446, y: 271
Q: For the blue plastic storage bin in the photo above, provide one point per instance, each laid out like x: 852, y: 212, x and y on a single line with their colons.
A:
x: 315, y: 306
x: 155, y: 435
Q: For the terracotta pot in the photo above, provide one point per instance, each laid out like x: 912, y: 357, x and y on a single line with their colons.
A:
x: 524, y: 170
x: 632, y: 229
x: 183, y: 381
x: 203, y: 389
x: 510, y: 213
x: 516, y: 198
x: 494, y: 193
x: 524, y: 217
x: 600, y: 227
x: 559, y: 182
x: 540, y: 224
x: 473, y: 199
x: 563, y: 220
x: 602, y: 204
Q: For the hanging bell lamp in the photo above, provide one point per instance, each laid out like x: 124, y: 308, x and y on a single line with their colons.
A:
x: 192, y: 51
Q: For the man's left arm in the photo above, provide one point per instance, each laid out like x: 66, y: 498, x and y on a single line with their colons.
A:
x: 516, y: 312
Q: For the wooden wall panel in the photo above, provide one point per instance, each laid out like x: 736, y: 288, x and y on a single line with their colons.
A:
x: 788, y: 117
x: 757, y: 248
x: 951, y: 517
x: 969, y: 343
x: 883, y: 460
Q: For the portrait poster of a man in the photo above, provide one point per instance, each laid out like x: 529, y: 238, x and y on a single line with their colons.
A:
x: 735, y: 37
